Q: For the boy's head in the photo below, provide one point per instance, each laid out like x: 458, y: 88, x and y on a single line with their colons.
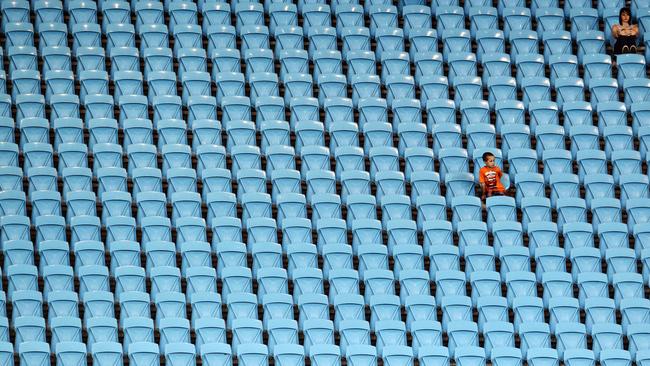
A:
x: 488, y: 159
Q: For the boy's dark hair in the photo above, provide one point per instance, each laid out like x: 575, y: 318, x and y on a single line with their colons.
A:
x: 486, y: 155
x: 620, y: 15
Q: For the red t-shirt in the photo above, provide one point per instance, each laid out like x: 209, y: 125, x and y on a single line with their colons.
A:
x: 491, y: 177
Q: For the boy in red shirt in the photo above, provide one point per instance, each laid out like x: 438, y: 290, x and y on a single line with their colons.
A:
x: 490, y: 177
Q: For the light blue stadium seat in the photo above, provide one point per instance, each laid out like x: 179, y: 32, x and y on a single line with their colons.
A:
x: 615, y: 357
x: 217, y: 354
x: 388, y: 40
x: 455, y: 40
x: 449, y: 17
x: 34, y: 353
x: 603, y: 90
x: 483, y: 18
x: 397, y: 355
x: 25, y: 58
x: 349, y: 158
x: 323, y: 181
x: 557, y: 161
x: 489, y: 42
x: 85, y: 228
x: 535, y: 338
x: 501, y: 88
x: 446, y: 135
x: 523, y: 162
x: 282, y: 14
x: 111, y: 179
x: 465, y: 209
x: 430, y: 61
x: 507, y: 234
x: 45, y: 12
x: 313, y: 309
x: 569, y: 90
x: 317, y: 27
x: 430, y: 208
x: 402, y: 230
x: 17, y: 252
x: 28, y: 304
x: 543, y: 113
x: 153, y: 35
x: 348, y: 15
x: 556, y: 285
x: 433, y: 355
x: 11, y: 178
x: 124, y: 59
x: 277, y: 306
x: 584, y: 259
x: 636, y: 90
x: 563, y: 310
x: 519, y: 284
x: 105, y: 352
x: 524, y: 43
x: 625, y: 162
x: 52, y: 252
x: 619, y: 260
x: 316, y: 14
x: 515, y: 19
x: 412, y: 281
x: 124, y: 253
x: 434, y: 89
x: 463, y: 336
x: 420, y: 308
x: 542, y: 234
x: 19, y: 34
x: 92, y: 278
x: 248, y: 14
x: 52, y: 35
x: 498, y: 335
x: 29, y: 105
x: 147, y: 13
x: 596, y: 67
x: 506, y: 356
x: 371, y: 256
x: 632, y: 187
x: 633, y: 311
x: 7, y: 127
x: 440, y: 111
x: 484, y: 280
x: 528, y: 310
x: 535, y: 89
x: 416, y: 17
x: 426, y: 334
x: 266, y: 255
x: 508, y: 112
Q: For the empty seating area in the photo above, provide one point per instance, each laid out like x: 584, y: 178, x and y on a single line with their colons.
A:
x: 291, y: 182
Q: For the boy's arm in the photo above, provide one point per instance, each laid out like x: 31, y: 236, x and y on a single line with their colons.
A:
x: 483, y: 190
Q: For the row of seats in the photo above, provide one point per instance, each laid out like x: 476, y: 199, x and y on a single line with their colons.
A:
x: 510, y: 116
x: 423, y: 53
x: 183, y: 354
x: 275, y: 136
x: 579, y: 243
x: 480, y: 14
x: 352, y: 332
x: 485, y: 281
x: 256, y: 203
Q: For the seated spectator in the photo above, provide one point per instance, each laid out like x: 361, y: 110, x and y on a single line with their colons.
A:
x: 625, y: 33
x: 490, y: 178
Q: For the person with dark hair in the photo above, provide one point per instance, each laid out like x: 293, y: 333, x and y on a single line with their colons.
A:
x: 490, y: 177
x: 625, y: 33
